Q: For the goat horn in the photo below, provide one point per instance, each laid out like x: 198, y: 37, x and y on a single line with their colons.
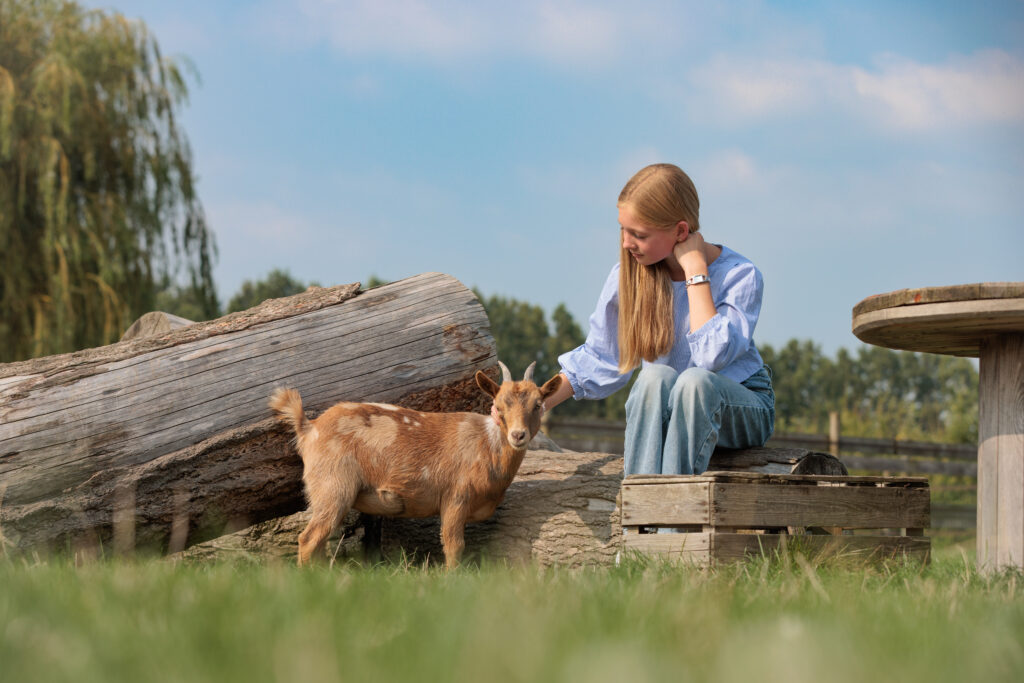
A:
x: 506, y: 376
x: 528, y: 377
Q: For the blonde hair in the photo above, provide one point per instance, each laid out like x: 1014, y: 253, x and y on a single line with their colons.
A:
x: 659, y: 195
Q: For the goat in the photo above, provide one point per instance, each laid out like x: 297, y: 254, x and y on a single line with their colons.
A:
x: 396, y: 462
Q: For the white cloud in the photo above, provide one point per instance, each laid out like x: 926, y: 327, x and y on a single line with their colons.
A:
x: 986, y: 87
x: 406, y: 27
x: 568, y: 33
x: 573, y: 33
x: 750, y: 88
x: 983, y: 88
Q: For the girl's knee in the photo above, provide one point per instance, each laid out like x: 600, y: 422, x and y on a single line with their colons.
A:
x: 696, y: 378
x: 653, y: 383
x: 694, y: 384
x: 658, y: 377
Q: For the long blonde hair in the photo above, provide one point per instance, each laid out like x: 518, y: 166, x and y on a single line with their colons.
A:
x: 660, y: 195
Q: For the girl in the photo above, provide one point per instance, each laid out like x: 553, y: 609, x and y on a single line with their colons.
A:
x: 684, y: 310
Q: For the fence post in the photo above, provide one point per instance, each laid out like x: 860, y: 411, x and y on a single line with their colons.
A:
x: 833, y: 433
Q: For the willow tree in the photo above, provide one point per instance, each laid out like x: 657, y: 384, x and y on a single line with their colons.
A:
x: 97, y: 195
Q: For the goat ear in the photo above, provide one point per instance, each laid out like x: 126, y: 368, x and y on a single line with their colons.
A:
x: 486, y: 384
x: 551, y: 386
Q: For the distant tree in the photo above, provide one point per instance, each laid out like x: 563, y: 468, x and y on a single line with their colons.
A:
x: 276, y: 284
x: 959, y: 380
x: 879, y: 392
x: 521, y: 334
x: 568, y: 334
x: 796, y: 369
x: 97, y: 196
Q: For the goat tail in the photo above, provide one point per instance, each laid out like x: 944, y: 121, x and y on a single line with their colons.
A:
x: 288, y: 405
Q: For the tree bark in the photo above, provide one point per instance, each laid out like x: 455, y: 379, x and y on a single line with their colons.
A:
x: 173, y: 432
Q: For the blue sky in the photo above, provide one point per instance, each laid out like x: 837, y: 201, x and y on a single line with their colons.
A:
x: 847, y: 148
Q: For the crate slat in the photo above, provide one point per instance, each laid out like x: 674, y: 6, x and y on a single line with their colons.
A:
x: 850, y: 507
x: 710, y: 547
x: 794, y: 479
x: 672, y: 503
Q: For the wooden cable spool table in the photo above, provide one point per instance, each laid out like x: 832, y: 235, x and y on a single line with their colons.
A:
x: 983, y: 321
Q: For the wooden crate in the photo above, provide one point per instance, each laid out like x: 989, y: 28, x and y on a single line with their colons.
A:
x: 725, y: 516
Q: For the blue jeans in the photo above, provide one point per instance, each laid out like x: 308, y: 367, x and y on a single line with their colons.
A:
x: 675, y: 420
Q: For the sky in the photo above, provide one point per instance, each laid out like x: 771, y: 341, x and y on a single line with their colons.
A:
x: 846, y: 148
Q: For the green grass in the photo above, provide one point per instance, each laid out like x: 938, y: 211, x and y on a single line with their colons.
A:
x: 787, y: 619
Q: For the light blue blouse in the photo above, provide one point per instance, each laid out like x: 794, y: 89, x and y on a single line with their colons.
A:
x: 724, y: 344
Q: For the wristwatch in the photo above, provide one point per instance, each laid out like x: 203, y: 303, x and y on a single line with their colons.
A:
x: 698, y: 280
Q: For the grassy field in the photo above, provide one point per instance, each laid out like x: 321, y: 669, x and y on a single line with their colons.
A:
x: 787, y: 618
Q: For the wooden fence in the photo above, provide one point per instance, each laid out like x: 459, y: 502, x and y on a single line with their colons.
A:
x: 951, y: 468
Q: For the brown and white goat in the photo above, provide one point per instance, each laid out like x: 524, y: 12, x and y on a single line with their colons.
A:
x: 386, y: 460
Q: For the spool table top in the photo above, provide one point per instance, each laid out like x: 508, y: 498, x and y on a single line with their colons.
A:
x: 949, y: 320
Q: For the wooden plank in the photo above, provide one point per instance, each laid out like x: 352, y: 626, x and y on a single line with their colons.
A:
x: 724, y: 459
x: 929, y: 295
x: 851, y: 507
x: 1001, y: 431
x: 793, y: 479
x: 666, y: 504
x: 709, y: 548
x: 953, y: 328
x: 988, y: 462
x: 690, y: 548
x: 1010, y: 492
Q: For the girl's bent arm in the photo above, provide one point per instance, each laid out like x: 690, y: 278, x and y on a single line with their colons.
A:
x: 693, y: 257
x: 563, y: 393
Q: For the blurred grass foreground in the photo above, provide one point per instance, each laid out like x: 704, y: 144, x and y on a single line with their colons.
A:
x: 784, y: 618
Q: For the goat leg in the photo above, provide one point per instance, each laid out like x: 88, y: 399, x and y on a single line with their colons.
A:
x: 313, y: 537
x: 329, y: 505
x: 453, y: 528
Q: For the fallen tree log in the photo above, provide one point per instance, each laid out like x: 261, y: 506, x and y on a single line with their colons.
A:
x: 138, y: 436
x: 561, y: 509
